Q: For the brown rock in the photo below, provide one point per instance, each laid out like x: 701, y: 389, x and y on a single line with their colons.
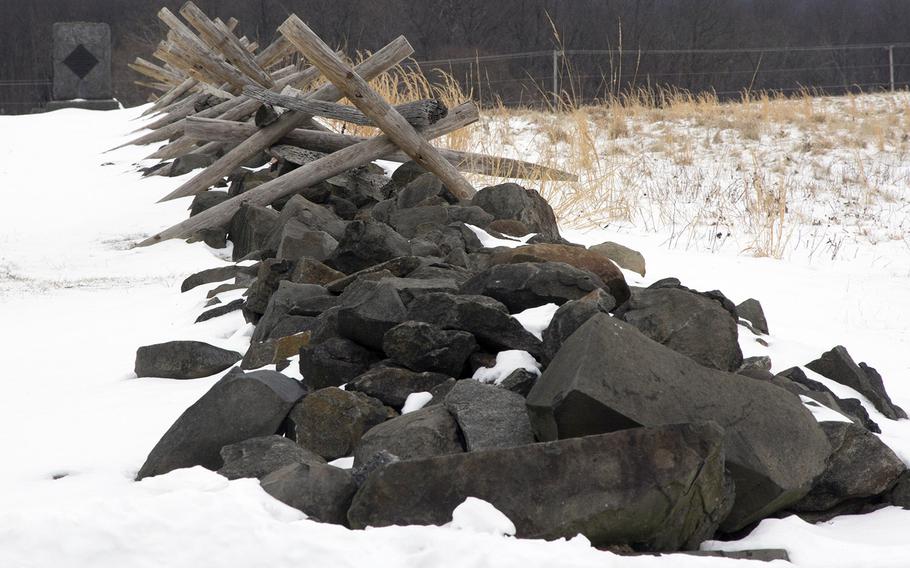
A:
x: 510, y: 227
x: 578, y: 257
x: 623, y: 256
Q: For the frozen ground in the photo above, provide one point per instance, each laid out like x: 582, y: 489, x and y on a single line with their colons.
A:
x: 76, y: 302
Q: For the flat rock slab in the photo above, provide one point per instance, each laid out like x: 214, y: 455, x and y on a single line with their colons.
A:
x: 837, y: 365
x: 657, y: 489
x: 183, y: 360
x: 258, y: 457
x: 238, y: 407
x: 608, y: 376
x: 489, y: 416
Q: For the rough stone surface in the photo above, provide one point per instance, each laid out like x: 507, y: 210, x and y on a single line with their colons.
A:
x: 365, y: 244
x: 519, y: 381
x: 365, y: 318
x: 361, y: 472
x: 511, y: 201
x: 183, y: 360
x: 298, y: 241
x: 282, y: 302
x: 608, y: 376
x: 837, y: 365
x: 752, y: 311
x: 570, y: 316
x: 392, y: 385
x: 258, y: 457
x: 323, y: 492
x: 526, y: 285
x: 238, y: 407
x: 421, y: 346
x: 430, y: 431
x: 489, y: 417
x: 330, y: 421
x: 688, y: 323
x: 860, y: 466
x: 486, y: 318
x: 220, y: 311
x: 899, y: 496
x: 334, y: 362
x: 209, y: 276
x: 311, y: 215
x: 577, y: 256
x: 656, y: 489
x: 206, y: 200
x: 250, y: 228
x: 622, y: 255
x: 311, y: 271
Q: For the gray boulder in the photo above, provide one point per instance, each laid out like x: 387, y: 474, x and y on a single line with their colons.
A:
x: 288, y: 296
x: 238, y: 407
x: 250, y: 228
x: 366, y: 243
x: 427, y: 432
x: 330, y: 421
x: 622, y: 255
x: 608, y: 376
x: 258, y: 457
x: 210, y: 276
x: 860, y: 466
x: 183, y: 360
x: 323, y: 492
x: 487, y: 319
x: 367, y: 317
x: 421, y: 346
x: 526, y: 285
x: 489, y: 417
x: 334, y: 362
x: 570, y: 316
x: 298, y: 241
x: 656, y: 489
x: 392, y: 385
x: 268, y: 278
x: 899, y: 496
x: 752, y: 311
x: 837, y: 365
x: 686, y: 322
x: 511, y: 201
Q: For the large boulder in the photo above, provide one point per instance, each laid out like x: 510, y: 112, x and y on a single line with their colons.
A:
x: 579, y: 257
x: 526, y: 285
x: 258, y: 457
x: 861, y: 466
x: 752, y: 311
x: 283, y: 301
x: 421, y: 346
x: 622, y: 255
x: 838, y: 366
x: 687, y: 323
x: 183, y: 360
x: 250, y: 228
x: 238, y: 407
x: 656, y: 489
x: 333, y: 362
x: 365, y: 244
x: 511, y: 201
x: 899, y: 496
x: 609, y: 376
x: 393, y: 385
x: 323, y: 492
x: 309, y: 214
x: 298, y: 241
x: 330, y: 421
x: 572, y: 315
x: 489, y: 416
x: 365, y: 318
x: 487, y: 319
x: 424, y: 433
x: 269, y: 276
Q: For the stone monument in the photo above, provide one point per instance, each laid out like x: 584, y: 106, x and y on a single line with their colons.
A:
x: 82, y: 67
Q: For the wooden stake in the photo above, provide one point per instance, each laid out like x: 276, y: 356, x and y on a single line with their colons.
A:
x: 356, y: 89
x: 378, y: 63
x: 307, y: 175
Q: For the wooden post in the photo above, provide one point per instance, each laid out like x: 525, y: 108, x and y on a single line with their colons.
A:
x: 209, y: 129
x: 378, y: 63
x: 555, y: 79
x: 359, y: 92
x: 891, y: 65
x: 309, y: 174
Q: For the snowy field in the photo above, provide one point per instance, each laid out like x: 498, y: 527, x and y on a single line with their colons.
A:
x: 75, y: 424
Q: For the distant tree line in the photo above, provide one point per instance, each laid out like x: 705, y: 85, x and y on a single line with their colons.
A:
x: 453, y: 29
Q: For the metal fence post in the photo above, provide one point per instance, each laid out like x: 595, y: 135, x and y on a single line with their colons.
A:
x: 555, y: 79
x: 891, y: 65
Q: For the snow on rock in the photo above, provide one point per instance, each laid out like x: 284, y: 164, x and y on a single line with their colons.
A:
x: 821, y: 412
x: 489, y: 241
x: 480, y: 516
x: 536, y: 320
x: 506, y: 363
x: 343, y: 463
x: 416, y: 401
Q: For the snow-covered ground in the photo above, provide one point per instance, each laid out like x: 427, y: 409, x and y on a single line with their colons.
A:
x: 75, y: 424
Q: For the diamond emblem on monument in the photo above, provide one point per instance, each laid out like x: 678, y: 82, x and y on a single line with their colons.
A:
x: 81, y: 61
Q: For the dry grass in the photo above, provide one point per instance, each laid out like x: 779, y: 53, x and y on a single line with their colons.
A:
x: 700, y: 170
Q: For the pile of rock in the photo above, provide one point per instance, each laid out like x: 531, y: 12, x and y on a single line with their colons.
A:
x: 646, y: 428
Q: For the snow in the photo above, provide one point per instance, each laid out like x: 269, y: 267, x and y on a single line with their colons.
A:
x: 77, y: 301
x: 416, y: 401
x: 506, y: 363
x: 477, y: 515
x: 489, y: 241
x: 821, y: 412
x: 536, y: 320
x: 343, y: 463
